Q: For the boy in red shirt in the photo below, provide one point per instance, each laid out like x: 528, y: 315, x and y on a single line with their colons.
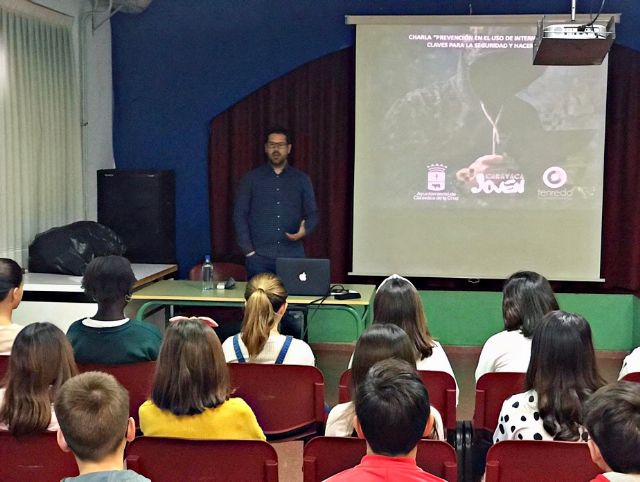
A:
x: 392, y: 409
x: 612, y: 418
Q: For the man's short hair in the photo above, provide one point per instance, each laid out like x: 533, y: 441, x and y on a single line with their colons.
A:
x: 612, y: 418
x: 392, y: 406
x: 93, y: 412
x: 277, y: 130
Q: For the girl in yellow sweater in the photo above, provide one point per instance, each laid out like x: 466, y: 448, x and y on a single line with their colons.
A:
x: 191, y: 389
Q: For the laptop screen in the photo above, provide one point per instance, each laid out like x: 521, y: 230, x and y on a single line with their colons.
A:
x: 304, y: 276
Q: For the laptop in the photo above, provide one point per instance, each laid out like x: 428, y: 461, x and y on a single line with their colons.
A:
x: 304, y: 276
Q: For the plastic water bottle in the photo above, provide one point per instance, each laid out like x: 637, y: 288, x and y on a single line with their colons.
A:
x: 207, y: 274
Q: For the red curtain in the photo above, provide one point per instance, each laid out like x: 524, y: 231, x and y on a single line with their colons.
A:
x: 621, y: 219
x: 316, y: 102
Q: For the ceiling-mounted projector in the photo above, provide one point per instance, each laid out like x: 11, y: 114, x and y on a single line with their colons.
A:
x: 573, y: 43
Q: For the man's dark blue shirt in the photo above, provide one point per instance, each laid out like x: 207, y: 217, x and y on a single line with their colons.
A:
x: 268, y: 205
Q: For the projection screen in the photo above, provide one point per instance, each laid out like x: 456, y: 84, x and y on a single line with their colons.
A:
x: 470, y: 162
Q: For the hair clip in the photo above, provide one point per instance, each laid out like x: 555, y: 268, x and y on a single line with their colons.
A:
x: 395, y: 276
x: 202, y: 319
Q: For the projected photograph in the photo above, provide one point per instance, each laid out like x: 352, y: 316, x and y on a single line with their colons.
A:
x: 460, y: 116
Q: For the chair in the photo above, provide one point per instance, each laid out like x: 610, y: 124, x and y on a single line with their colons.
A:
x: 34, y: 457
x: 491, y: 390
x: 229, y: 319
x: 326, y: 456
x: 166, y: 459
x: 137, y: 378
x: 632, y: 377
x: 440, y: 385
x: 4, y: 364
x: 288, y: 400
x: 222, y: 271
x: 540, y: 460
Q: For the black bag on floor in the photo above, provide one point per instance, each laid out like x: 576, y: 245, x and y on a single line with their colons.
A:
x: 68, y: 249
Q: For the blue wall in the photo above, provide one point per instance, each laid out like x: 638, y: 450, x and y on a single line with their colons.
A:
x: 182, y: 62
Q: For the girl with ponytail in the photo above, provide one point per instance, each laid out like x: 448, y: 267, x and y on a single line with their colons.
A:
x: 260, y: 341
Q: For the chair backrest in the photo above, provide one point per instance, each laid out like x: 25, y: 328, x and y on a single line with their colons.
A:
x: 137, y: 378
x: 4, y: 365
x: 540, y: 460
x: 166, y: 459
x: 492, y: 389
x: 326, y: 456
x: 288, y: 400
x: 632, y: 377
x: 222, y: 271
x: 34, y: 457
x: 440, y: 385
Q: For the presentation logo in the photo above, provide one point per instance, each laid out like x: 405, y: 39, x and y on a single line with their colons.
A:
x: 499, y: 183
x: 436, y: 177
x: 555, y: 177
x: 436, y: 185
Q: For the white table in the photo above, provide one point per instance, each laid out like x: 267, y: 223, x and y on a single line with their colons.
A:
x: 60, y: 299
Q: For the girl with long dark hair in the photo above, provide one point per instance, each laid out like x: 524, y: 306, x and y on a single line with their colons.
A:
x: 526, y: 298
x: 562, y: 374
x: 41, y: 361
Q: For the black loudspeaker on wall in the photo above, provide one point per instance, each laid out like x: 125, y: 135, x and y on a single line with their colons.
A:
x: 140, y: 207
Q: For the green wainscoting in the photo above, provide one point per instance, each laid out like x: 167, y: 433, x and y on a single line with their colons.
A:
x: 468, y: 318
x: 636, y: 324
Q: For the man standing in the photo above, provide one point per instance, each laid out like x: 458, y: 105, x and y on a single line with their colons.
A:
x: 275, y: 208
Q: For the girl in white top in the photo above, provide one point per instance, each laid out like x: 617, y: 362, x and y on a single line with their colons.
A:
x: 11, y: 291
x: 41, y: 361
x: 259, y: 340
x: 398, y: 302
x: 562, y: 375
x: 379, y: 342
x: 526, y: 298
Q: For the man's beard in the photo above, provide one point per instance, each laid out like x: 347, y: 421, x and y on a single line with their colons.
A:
x: 279, y: 161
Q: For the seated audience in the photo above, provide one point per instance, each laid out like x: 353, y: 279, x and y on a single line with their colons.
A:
x: 612, y: 418
x: 562, y: 374
x: 630, y: 364
x: 41, y: 361
x: 398, y: 302
x: 260, y: 340
x: 191, y: 389
x: 110, y: 337
x: 93, y: 412
x: 379, y: 342
x: 10, y: 297
x: 392, y: 410
x: 526, y: 298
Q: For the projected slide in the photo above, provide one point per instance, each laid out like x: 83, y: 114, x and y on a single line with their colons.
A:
x: 476, y: 158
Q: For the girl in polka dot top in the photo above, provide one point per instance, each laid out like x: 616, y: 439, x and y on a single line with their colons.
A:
x: 562, y: 374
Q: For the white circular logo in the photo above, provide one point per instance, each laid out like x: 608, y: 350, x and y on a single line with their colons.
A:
x: 554, y: 177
